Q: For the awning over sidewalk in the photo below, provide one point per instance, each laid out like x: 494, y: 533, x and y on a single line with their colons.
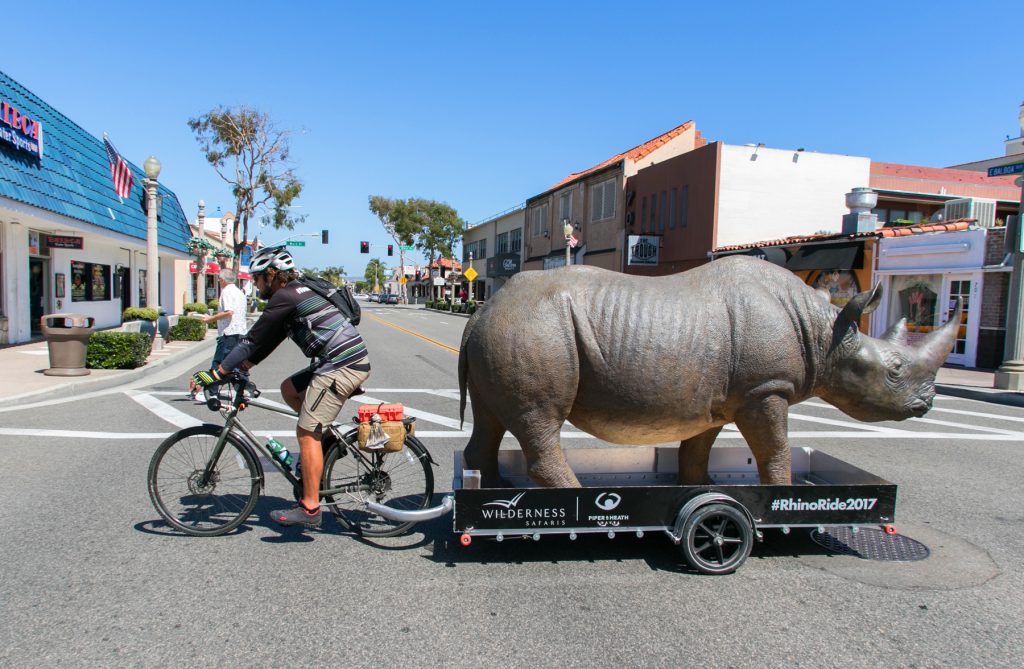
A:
x: 848, y: 255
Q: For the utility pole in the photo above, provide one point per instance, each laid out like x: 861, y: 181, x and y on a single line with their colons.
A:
x: 1010, y: 375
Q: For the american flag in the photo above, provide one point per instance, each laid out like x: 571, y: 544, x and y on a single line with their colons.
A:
x: 119, y: 170
x: 573, y: 241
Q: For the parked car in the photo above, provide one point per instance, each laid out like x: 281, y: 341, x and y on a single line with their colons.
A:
x: 389, y: 298
x: 374, y: 297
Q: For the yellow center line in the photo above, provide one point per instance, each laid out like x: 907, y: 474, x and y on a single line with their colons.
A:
x: 414, y: 334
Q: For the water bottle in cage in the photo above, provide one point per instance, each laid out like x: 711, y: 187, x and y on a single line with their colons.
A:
x: 280, y: 453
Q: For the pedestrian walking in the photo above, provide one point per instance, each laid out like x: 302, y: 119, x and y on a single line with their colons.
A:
x: 230, y: 319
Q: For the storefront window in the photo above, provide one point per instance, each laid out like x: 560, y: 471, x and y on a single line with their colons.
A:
x: 142, y: 288
x: 916, y: 297
x: 840, y: 284
x: 90, y: 282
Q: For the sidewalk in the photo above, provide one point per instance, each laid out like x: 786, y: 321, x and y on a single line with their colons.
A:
x: 974, y: 384
x: 22, y: 366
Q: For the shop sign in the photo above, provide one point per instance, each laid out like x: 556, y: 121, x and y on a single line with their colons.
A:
x: 61, y: 242
x: 643, y: 249
x: 505, y: 264
x: 20, y: 131
x: 211, y: 268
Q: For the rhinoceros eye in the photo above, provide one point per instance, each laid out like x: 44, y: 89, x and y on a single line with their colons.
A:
x: 894, y: 367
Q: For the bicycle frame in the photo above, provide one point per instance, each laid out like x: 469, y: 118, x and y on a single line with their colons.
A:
x: 233, y: 424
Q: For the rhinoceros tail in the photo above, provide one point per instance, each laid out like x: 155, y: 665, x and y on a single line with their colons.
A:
x: 463, y: 368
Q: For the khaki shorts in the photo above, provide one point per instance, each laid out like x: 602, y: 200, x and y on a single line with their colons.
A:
x: 326, y: 395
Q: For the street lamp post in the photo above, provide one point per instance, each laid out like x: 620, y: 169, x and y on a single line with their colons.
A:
x: 152, y: 169
x: 567, y: 230
x: 1010, y: 375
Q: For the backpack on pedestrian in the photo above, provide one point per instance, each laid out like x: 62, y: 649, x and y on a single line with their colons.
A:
x: 341, y: 298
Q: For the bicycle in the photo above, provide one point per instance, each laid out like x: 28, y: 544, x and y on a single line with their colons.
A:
x: 199, y: 489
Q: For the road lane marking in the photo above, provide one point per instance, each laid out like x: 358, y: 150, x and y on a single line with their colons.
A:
x: 179, y: 419
x: 415, y: 334
x: 843, y: 423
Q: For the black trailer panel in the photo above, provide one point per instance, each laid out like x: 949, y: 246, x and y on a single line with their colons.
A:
x: 626, y: 489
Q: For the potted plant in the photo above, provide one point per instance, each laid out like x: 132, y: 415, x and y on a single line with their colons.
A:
x: 147, y: 317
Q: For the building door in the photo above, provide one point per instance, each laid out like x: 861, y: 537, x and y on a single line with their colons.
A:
x: 125, y: 286
x: 965, y: 287
x: 38, y: 295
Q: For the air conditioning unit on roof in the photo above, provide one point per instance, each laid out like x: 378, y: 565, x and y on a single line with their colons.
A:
x: 984, y: 211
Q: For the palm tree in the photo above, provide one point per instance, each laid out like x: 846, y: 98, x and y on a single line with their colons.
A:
x: 375, y: 274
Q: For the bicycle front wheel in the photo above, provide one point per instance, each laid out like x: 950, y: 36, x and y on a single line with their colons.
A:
x: 402, y: 480
x: 191, y: 501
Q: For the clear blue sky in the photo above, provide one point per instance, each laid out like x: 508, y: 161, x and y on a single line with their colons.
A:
x: 484, y: 104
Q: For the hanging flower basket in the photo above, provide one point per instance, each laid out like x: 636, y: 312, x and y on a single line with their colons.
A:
x: 224, y: 253
x: 198, y: 246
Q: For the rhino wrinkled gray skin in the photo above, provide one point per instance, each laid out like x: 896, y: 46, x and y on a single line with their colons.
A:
x: 649, y: 360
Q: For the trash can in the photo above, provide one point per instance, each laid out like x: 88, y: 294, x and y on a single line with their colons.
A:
x: 67, y: 337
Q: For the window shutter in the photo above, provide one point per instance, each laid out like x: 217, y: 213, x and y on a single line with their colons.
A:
x: 609, y: 199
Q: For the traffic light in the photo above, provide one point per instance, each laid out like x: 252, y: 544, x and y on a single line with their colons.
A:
x: 323, y: 236
x: 391, y: 249
x: 364, y: 247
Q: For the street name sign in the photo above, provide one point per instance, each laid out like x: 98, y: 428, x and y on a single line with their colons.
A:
x: 407, y: 248
x: 296, y: 243
x: 1003, y: 170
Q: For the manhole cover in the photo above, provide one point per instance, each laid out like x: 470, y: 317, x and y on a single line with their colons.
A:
x: 870, y: 544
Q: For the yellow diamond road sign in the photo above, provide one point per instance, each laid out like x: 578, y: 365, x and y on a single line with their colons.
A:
x: 403, y: 280
x: 470, y: 274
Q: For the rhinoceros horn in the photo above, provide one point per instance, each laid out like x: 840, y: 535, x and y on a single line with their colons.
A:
x: 937, y: 344
x: 897, y: 334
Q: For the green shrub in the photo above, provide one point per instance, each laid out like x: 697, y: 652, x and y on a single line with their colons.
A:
x: 196, y: 308
x: 429, y: 304
x: 188, y: 329
x: 213, y: 303
x: 140, y: 314
x: 113, y: 349
x: 471, y: 307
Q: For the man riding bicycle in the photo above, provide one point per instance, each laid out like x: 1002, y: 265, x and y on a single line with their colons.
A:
x: 339, y: 364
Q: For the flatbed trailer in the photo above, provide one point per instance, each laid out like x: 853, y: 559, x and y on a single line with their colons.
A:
x: 634, y: 490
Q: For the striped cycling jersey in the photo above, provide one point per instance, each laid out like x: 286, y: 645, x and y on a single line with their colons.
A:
x: 311, y: 321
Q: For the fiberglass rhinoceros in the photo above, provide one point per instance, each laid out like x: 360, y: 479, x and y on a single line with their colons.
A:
x: 646, y: 360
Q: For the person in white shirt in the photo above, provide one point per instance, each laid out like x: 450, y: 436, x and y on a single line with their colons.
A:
x: 230, y: 319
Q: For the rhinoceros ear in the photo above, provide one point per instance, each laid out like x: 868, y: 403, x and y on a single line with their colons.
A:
x: 897, y: 334
x: 849, y: 317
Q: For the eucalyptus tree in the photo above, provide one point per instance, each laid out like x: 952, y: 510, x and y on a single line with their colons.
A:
x: 402, y: 222
x: 250, y: 153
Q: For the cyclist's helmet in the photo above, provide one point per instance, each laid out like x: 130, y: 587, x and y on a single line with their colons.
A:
x: 272, y: 256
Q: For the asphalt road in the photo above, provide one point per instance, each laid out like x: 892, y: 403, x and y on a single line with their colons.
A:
x: 90, y: 577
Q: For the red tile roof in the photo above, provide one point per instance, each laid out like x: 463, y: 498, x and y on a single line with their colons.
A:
x: 637, y: 152
x: 446, y: 264
x: 952, y: 226
x: 942, y: 180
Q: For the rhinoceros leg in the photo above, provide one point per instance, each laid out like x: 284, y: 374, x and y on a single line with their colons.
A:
x: 693, y: 458
x: 482, y: 450
x: 763, y: 423
x: 545, y: 462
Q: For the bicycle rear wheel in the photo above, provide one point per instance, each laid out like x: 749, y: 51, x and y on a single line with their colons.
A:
x: 197, y: 507
x: 402, y: 480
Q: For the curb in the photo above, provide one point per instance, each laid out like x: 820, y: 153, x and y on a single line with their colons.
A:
x: 87, y: 385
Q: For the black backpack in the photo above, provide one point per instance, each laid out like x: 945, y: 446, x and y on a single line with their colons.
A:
x: 341, y: 298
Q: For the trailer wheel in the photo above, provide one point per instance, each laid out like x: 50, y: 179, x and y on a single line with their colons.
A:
x: 716, y: 539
